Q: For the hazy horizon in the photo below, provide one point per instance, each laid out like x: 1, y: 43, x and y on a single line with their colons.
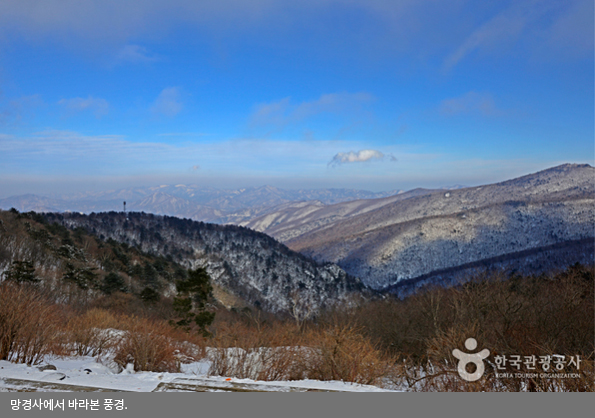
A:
x: 61, y: 189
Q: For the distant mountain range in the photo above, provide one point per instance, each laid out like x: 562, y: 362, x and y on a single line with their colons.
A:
x: 294, y: 219
x: 532, y: 224
x: 187, y: 201
x: 391, y: 240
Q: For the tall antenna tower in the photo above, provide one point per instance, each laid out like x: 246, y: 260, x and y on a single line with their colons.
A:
x: 124, y: 206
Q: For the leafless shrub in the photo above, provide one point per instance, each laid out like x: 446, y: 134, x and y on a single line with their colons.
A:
x: 93, y: 333
x: 259, y: 353
x: 342, y: 353
x: 149, y: 346
x: 288, y: 352
x: 153, y: 345
x: 28, y: 324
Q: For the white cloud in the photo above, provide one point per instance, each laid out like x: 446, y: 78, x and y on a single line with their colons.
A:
x: 471, y: 102
x: 99, y: 107
x: 168, y: 102
x: 360, y: 156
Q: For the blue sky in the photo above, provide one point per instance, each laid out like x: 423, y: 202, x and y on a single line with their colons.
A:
x: 375, y: 94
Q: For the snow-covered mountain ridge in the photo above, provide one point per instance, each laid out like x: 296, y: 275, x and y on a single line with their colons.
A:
x: 408, y: 238
x: 250, y: 265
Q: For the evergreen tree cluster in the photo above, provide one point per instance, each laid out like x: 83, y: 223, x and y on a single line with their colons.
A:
x: 191, y: 302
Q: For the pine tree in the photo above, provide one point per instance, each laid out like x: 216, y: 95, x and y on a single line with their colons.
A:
x: 149, y: 295
x: 191, y: 302
x: 113, y: 282
x: 83, y: 277
x: 21, y: 272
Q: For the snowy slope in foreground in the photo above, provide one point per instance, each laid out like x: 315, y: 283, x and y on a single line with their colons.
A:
x: 86, y: 372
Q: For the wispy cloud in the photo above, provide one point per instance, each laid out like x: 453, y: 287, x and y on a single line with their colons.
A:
x: 13, y: 110
x: 135, y: 54
x: 67, y: 150
x: 503, y: 27
x: 572, y: 32
x: 72, y: 145
x: 283, y: 112
x: 183, y: 134
x: 99, y: 107
x: 74, y: 154
x: 360, y: 156
x: 168, y: 103
x: 471, y: 102
x: 271, y: 113
x: 416, y: 26
x: 545, y: 28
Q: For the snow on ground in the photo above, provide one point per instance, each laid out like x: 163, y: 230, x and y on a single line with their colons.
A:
x: 86, y: 371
